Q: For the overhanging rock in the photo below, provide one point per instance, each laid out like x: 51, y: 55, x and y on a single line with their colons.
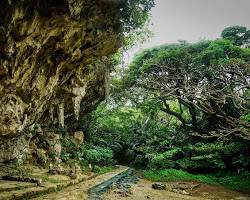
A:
x: 53, y: 56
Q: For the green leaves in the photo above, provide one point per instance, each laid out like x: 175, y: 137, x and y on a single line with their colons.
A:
x: 201, y: 156
x: 164, y: 160
x: 218, y: 50
x: 99, y: 156
x: 134, y: 17
x: 239, y: 35
x: 173, y: 103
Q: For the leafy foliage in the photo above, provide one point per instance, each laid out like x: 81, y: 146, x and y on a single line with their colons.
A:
x: 86, y: 154
x: 135, y: 17
x: 239, y: 35
x: 206, y: 80
x: 99, y: 156
x: 180, y: 107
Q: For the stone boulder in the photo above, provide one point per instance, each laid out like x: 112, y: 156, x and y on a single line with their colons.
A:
x: 159, y: 186
x: 78, y: 137
x: 54, y: 145
x: 14, y: 148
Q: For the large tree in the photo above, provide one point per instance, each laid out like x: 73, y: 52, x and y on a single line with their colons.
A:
x: 208, y: 79
x: 239, y: 35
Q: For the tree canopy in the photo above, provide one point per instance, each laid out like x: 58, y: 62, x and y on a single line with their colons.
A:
x: 210, y: 79
x: 239, y: 35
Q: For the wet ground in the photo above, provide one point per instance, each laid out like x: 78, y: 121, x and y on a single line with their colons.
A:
x: 122, y: 181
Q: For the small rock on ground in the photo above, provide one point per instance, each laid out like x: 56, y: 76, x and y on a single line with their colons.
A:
x: 159, y: 186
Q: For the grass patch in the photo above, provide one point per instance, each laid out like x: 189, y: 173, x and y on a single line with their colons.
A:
x: 20, y: 170
x: 103, y: 170
x: 227, y: 179
x: 46, y: 178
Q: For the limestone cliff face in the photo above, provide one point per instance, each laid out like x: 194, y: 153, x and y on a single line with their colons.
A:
x: 53, y: 63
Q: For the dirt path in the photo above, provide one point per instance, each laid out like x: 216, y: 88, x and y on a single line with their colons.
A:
x: 126, y: 189
x: 79, y: 191
x: 143, y: 190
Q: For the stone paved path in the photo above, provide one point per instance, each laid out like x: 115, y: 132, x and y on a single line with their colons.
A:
x: 79, y: 191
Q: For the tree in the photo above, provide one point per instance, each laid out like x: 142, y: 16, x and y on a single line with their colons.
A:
x: 206, y: 79
x: 135, y: 17
x: 239, y: 35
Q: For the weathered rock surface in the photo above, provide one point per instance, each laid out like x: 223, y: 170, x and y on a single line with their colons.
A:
x: 14, y: 148
x: 54, y: 57
x: 78, y: 137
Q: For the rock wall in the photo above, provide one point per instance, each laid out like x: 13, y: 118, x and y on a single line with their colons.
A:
x: 53, y: 64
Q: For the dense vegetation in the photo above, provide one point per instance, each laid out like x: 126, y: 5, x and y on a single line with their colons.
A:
x: 132, y: 27
x: 177, y: 109
x: 181, y: 106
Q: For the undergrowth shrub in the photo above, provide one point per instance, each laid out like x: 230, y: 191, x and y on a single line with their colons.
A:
x: 99, y: 156
x: 164, y: 160
x: 202, y: 157
x: 86, y: 153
